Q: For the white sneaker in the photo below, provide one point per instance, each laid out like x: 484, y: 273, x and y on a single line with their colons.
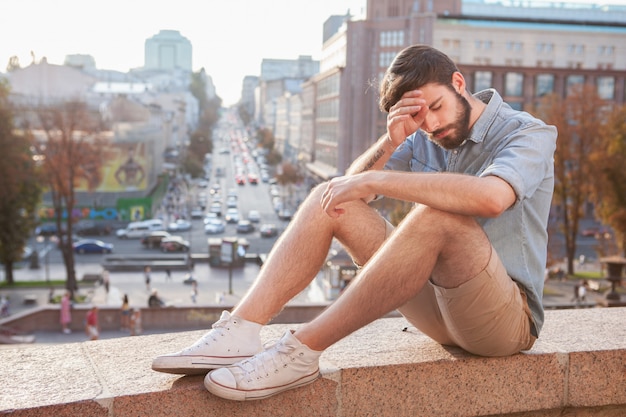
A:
x: 231, y: 339
x: 286, y: 365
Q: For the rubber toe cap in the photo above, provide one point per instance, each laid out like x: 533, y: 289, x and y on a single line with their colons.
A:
x: 221, y: 376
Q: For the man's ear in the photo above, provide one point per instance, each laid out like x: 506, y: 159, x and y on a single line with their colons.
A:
x: 458, y: 82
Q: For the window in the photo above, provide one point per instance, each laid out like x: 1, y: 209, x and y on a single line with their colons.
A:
x: 544, y: 84
x: 606, y: 87
x: 513, y: 84
x: 573, y: 81
x: 482, y: 80
x: 392, y: 38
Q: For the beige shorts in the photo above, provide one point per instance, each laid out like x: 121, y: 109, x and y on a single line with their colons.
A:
x: 487, y: 316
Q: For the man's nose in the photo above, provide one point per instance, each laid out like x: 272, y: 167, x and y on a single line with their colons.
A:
x: 430, y: 123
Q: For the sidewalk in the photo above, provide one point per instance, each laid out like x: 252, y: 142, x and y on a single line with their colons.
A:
x: 213, y: 289
x: 212, y: 286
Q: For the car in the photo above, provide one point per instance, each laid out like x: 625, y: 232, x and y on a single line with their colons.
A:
x: 197, y: 213
x: 215, y: 189
x: 92, y: 246
x: 180, y: 225
x: 253, y: 179
x: 268, y: 230
x: 232, y: 215
x: 596, y: 231
x: 285, y: 214
x: 207, y: 218
x: 153, y: 239
x: 203, y: 184
x: 240, y: 179
x: 91, y: 228
x: 214, y: 226
x: 245, y: 226
x: 174, y: 244
x: 47, y: 229
x: 231, y: 202
x: 254, y: 216
x: 216, y: 208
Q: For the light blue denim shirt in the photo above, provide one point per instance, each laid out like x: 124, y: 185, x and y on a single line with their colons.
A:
x: 518, y: 148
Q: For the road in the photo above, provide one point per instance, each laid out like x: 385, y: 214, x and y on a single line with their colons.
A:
x: 250, y: 197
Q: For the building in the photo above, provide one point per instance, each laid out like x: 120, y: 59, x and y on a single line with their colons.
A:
x: 524, y: 49
x: 147, y: 112
x: 168, y: 50
x: 280, y: 76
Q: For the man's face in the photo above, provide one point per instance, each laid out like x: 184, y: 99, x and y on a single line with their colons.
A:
x: 447, y: 122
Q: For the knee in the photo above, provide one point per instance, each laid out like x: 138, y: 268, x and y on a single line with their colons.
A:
x: 441, y: 220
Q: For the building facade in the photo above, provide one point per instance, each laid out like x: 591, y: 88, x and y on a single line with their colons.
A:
x: 168, y: 50
x: 524, y: 49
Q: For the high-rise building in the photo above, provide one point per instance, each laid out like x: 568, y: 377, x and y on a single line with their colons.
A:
x: 168, y: 50
x: 523, y: 49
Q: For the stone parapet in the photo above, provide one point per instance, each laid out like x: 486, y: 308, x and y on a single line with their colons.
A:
x: 578, y: 366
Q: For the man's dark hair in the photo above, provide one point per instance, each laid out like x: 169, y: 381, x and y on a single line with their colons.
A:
x: 414, y: 67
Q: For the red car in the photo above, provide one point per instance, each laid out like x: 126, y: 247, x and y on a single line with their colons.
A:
x: 174, y: 244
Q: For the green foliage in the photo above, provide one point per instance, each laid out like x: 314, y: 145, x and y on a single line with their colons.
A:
x: 20, y: 191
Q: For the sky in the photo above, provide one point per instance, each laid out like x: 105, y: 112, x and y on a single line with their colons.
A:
x: 229, y: 38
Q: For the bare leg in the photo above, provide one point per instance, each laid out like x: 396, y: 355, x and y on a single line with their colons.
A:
x: 300, y: 252
x: 447, y: 248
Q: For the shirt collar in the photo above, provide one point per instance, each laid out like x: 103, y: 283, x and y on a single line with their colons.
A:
x: 493, y: 100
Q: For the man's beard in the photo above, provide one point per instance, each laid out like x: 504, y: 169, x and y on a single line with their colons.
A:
x: 459, y: 129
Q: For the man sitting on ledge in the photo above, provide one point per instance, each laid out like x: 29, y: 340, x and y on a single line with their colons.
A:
x: 465, y: 266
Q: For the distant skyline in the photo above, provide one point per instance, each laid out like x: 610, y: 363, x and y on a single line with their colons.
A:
x: 229, y: 38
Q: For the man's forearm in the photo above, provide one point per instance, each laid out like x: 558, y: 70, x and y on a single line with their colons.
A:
x: 374, y: 158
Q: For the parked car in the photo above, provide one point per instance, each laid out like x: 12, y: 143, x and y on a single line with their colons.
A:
x: 232, y: 215
x: 174, y: 244
x: 92, y: 228
x: 254, y: 216
x: 245, y: 226
x: 268, y: 230
x: 47, y: 229
x: 180, y: 225
x: 92, y: 246
x: 214, y: 226
x: 153, y: 239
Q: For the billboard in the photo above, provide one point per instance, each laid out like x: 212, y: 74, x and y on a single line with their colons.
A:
x: 125, y: 167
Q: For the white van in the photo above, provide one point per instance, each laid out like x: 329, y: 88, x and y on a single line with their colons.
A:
x: 137, y: 230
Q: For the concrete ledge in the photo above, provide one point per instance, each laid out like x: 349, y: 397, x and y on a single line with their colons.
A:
x: 577, y: 367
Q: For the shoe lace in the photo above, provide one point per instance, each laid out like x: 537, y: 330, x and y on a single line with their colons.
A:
x: 275, y: 357
x: 218, y: 329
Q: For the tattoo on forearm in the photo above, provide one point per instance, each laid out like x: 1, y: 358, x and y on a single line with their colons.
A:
x: 379, y: 154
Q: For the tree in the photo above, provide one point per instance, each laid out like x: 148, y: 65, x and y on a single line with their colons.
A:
x: 578, y: 118
x: 609, y: 187
x: 19, y: 188
x: 70, y: 151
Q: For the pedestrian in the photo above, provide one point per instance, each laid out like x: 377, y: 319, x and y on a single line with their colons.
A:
x: 146, y: 275
x: 135, y: 323
x: 194, y: 291
x: 154, y: 300
x: 168, y: 274
x: 105, y: 280
x: 66, y: 313
x: 125, y: 313
x: 4, y: 306
x: 465, y: 266
x: 92, y: 326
